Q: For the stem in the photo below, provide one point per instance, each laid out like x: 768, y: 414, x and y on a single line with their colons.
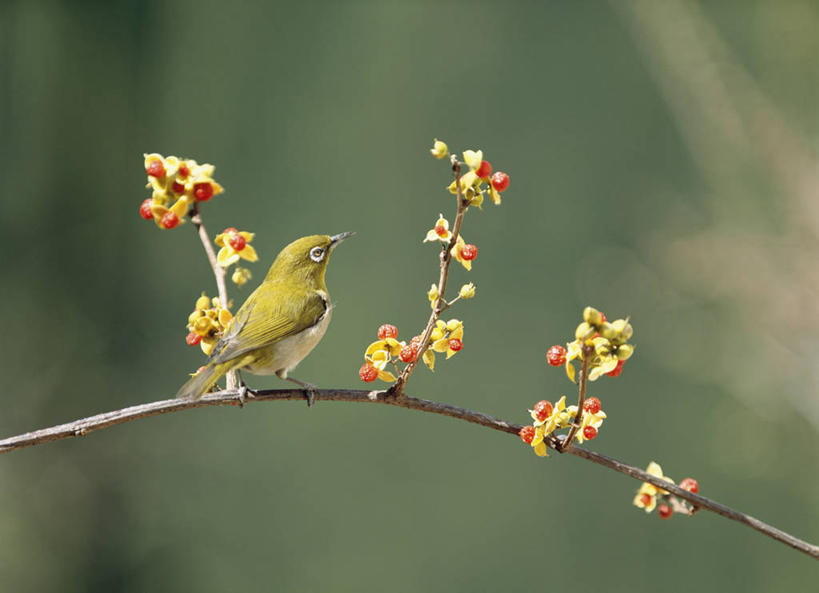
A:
x: 218, y: 273
x: 397, y: 388
x: 581, y: 397
x: 224, y: 398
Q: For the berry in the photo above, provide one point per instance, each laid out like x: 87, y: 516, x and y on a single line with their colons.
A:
x: 178, y: 188
x: 690, y: 484
x: 556, y: 356
x: 617, y: 370
x: 169, y: 220
x: 543, y: 409
x: 440, y: 229
x: 527, y: 434
x: 409, y: 353
x: 155, y: 169
x: 203, y: 192
x: 455, y: 344
x: 368, y: 373
x: 664, y: 511
x: 416, y: 340
x: 469, y: 252
x: 237, y: 241
x: 500, y: 180
x: 229, y: 231
x: 483, y: 170
x: 645, y: 499
x: 589, y: 432
x: 193, y: 339
x: 184, y: 171
x: 592, y: 405
x: 387, y: 331
x: 145, y: 209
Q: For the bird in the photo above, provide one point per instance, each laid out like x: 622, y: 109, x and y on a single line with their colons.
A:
x: 280, y: 322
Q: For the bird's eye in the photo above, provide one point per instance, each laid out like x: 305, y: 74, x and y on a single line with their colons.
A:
x: 317, y: 254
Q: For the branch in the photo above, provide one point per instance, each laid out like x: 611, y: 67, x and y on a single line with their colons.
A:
x: 218, y: 273
x: 440, y: 304
x: 581, y: 397
x: 225, y: 398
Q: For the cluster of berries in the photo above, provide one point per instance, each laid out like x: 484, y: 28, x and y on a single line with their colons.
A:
x: 176, y: 185
x: 480, y: 173
x: 207, y: 323
x: 446, y: 337
x: 648, y: 495
x: 548, y: 418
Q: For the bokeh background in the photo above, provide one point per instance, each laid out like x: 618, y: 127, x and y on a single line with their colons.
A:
x: 663, y: 165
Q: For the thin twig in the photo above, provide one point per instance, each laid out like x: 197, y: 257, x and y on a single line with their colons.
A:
x: 397, y: 388
x: 218, y: 273
x: 586, y: 352
x: 226, y: 398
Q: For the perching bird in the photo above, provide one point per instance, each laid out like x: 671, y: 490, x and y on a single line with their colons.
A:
x: 280, y: 322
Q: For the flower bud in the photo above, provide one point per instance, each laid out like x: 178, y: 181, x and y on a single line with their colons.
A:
x: 203, y: 302
x: 592, y: 316
x: 439, y: 149
x: 432, y: 294
x: 602, y: 346
x: 467, y: 291
x: 607, y: 331
x: 625, y: 351
x: 240, y: 276
x: 623, y: 330
x: 583, y: 330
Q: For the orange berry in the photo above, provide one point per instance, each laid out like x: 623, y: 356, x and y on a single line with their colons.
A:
x: 169, y: 220
x: 500, y: 181
x: 203, y: 191
x: 155, y: 169
x: 664, y: 511
x: 387, y: 331
x: 368, y: 373
x: 484, y: 170
x: 527, y: 434
x: 543, y: 409
x: 145, y: 209
x: 690, y: 484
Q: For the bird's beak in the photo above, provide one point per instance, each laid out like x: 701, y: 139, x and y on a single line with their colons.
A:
x: 336, y: 239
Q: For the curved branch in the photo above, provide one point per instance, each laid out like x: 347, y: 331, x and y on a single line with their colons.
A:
x: 231, y: 398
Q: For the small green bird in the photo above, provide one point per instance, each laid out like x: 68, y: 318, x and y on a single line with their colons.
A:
x: 280, y: 322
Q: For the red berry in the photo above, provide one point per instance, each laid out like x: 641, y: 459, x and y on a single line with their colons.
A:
x: 229, y: 231
x: 690, y: 484
x: 455, y: 344
x: 440, y: 229
x: 527, y: 434
x: 543, y: 409
x: 237, y: 241
x: 592, y: 405
x: 664, y: 511
x: 589, y: 432
x: 556, y: 356
x: 416, y: 340
x: 368, y: 373
x: 500, y: 180
x: 203, y: 191
x: 469, y: 252
x: 178, y: 188
x: 387, y: 331
x: 145, y: 209
x: 155, y: 169
x: 409, y: 353
x: 169, y: 220
x: 617, y: 370
x: 484, y: 170
x: 184, y: 171
x: 193, y: 339
x: 645, y: 499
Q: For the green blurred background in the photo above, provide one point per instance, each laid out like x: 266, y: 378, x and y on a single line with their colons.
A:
x: 662, y: 158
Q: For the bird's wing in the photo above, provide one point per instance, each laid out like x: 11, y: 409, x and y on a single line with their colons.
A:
x: 257, y: 325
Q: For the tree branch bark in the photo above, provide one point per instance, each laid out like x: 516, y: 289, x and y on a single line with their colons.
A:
x: 84, y: 426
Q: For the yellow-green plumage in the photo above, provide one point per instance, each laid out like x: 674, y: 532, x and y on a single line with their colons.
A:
x: 280, y: 322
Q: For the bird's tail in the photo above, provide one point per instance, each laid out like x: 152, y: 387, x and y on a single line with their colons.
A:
x: 201, y: 382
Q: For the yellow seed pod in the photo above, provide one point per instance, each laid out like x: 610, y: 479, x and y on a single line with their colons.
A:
x: 623, y: 330
x: 194, y: 316
x: 601, y: 346
x: 202, y: 326
x: 467, y: 291
x: 592, y: 316
x: 607, y: 331
x: 625, y: 351
x: 439, y: 149
x: 583, y: 330
x: 203, y: 302
x: 224, y: 317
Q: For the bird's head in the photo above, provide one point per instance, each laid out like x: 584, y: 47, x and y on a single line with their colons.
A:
x: 306, y: 258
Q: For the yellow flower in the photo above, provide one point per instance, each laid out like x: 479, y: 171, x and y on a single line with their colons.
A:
x: 467, y: 291
x: 241, y: 276
x: 593, y: 420
x: 234, y: 245
x: 473, y: 158
x: 432, y: 295
x: 210, y: 321
x: 538, y: 444
x: 177, y: 182
x: 440, y: 232
x: 446, y: 335
x: 439, y: 149
x: 456, y: 253
x: 380, y: 353
x: 646, y: 497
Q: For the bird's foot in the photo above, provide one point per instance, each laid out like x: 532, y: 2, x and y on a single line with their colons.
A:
x: 245, y: 392
x: 310, y: 390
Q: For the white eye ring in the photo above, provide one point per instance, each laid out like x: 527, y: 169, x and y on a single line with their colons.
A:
x: 317, y: 254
